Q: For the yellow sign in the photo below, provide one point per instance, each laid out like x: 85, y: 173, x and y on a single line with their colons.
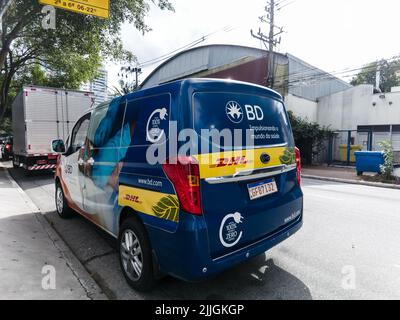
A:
x: 99, y: 8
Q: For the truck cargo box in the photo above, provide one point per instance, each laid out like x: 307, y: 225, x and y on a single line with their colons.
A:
x: 40, y: 115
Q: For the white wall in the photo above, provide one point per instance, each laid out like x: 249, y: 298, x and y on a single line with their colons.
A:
x: 354, y: 107
x: 303, y: 108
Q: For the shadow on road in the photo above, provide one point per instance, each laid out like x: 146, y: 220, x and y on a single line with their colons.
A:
x: 259, y: 278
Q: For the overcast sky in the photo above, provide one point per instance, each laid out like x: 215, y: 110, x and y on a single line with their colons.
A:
x: 330, y: 34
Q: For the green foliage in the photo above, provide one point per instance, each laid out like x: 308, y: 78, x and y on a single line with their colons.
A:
x: 389, y: 75
x: 388, y: 156
x: 69, y: 55
x: 309, y: 137
x: 5, y: 126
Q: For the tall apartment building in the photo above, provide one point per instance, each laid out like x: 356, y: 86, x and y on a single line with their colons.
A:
x: 99, y: 86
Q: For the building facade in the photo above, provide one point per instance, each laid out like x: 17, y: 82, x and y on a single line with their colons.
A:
x: 249, y: 65
x: 99, y: 86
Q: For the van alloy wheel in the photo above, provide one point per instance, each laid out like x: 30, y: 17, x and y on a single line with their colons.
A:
x: 131, y: 255
x: 59, y: 200
x: 63, y: 210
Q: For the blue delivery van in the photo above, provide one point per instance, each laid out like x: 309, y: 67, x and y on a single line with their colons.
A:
x: 191, y: 177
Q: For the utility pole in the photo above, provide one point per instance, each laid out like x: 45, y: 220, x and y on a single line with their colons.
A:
x: 271, y: 40
x: 130, y: 70
x: 378, y: 76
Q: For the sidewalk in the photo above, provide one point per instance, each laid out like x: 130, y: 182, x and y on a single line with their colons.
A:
x: 27, y: 244
x: 343, y: 175
x: 331, y: 172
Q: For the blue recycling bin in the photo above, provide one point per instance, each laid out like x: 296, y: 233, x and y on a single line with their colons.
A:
x: 368, y: 161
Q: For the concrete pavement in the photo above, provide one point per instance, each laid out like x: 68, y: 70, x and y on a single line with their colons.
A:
x: 34, y: 262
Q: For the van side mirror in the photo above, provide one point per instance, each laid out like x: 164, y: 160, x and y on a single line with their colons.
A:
x: 58, y: 146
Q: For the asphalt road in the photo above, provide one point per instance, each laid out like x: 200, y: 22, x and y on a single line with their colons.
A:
x: 348, y: 248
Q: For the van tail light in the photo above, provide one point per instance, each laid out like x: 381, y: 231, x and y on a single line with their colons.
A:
x: 184, y: 174
x: 298, y: 165
x: 8, y: 147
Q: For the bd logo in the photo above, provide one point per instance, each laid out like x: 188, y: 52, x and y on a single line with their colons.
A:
x: 235, y: 112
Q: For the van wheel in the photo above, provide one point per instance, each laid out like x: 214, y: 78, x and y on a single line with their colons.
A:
x: 15, y: 163
x: 63, y: 210
x: 135, y: 255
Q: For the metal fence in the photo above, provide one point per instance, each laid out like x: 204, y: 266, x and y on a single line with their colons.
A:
x: 343, y: 144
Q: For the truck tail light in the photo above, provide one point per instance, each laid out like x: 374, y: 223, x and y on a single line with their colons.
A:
x: 298, y: 165
x: 8, y: 147
x: 184, y: 174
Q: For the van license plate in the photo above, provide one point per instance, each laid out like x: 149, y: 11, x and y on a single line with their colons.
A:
x: 261, y: 189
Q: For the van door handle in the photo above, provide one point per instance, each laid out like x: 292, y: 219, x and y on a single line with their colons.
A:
x: 252, y: 175
x: 90, y: 162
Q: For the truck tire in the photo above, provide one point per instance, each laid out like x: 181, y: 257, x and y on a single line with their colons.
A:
x: 62, y: 208
x: 15, y: 163
x: 135, y: 255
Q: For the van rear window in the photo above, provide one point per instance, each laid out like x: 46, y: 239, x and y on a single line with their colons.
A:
x: 261, y: 118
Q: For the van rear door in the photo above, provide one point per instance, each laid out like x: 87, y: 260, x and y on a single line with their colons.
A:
x: 249, y: 185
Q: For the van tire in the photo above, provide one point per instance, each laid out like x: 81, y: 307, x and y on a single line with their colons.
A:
x: 62, y: 208
x: 134, y: 228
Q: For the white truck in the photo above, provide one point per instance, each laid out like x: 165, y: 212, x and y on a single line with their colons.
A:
x: 41, y: 115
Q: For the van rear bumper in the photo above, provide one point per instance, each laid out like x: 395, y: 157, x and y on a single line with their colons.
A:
x: 185, y: 254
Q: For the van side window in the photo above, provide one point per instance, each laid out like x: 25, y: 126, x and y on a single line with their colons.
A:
x: 107, y: 133
x: 79, y: 133
x: 106, y: 124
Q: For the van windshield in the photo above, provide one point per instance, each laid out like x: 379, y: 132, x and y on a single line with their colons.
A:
x: 252, y: 120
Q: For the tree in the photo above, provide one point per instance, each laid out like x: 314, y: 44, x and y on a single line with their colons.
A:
x: 389, y: 74
x: 72, y: 53
x: 309, y: 137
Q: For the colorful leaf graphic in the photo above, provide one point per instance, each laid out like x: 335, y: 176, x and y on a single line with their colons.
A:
x: 167, y: 208
x: 289, y: 156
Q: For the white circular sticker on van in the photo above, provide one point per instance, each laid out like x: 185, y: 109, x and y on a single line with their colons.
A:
x: 154, y: 131
x: 234, y: 112
x: 229, y: 233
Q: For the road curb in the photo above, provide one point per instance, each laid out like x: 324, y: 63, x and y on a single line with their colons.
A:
x: 347, y: 181
x: 93, y: 291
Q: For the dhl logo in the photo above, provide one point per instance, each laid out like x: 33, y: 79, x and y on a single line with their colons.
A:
x: 229, y: 162
x: 132, y: 198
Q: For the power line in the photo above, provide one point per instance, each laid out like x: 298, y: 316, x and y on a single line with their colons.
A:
x: 192, y: 44
x: 284, y: 5
x: 303, y: 76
